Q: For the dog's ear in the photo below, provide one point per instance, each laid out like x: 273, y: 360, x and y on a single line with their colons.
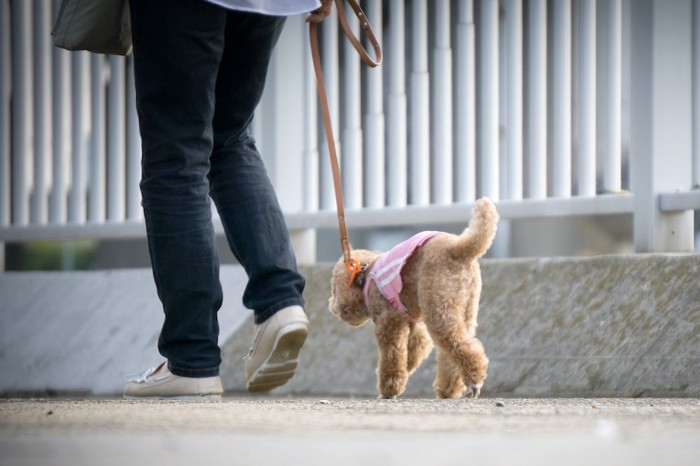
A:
x: 347, y: 312
x: 333, y: 306
x: 346, y: 303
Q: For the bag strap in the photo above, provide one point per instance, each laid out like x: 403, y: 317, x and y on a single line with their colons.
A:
x: 352, y: 265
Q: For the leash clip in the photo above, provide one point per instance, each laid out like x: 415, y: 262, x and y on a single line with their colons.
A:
x: 354, y: 267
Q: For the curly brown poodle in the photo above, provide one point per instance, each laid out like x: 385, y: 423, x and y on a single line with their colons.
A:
x: 425, y: 290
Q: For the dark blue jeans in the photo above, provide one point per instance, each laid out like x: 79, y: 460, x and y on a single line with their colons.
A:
x: 200, y: 72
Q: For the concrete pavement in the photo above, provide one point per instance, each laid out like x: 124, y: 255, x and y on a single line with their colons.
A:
x: 242, y: 430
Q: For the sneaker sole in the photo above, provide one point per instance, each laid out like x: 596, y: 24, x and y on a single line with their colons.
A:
x: 178, y: 398
x: 282, y: 362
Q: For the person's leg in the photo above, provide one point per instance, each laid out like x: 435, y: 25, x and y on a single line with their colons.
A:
x: 177, y: 50
x: 240, y: 187
x: 248, y: 205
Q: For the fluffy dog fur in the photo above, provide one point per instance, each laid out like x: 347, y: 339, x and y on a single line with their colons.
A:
x: 441, y: 290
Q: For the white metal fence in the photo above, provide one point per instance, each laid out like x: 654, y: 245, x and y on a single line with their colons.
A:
x: 551, y: 108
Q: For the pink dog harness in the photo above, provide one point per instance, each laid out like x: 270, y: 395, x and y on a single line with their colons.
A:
x: 386, y: 271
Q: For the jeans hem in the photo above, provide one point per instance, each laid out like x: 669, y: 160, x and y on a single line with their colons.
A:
x: 194, y: 373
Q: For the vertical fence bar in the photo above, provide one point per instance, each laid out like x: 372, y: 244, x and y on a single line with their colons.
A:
x: 5, y: 88
x: 661, y: 127
x: 42, y: 112
x: 441, y: 111
x: 96, y: 157
x: 80, y: 135
x: 514, y: 104
x: 61, y: 81
x: 21, y: 128
x: 587, y: 99
x: 116, y: 140
x: 133, y: 147
x: 419, y: 190
x: 612, y: 109
x: 351, y: 135
x: 696, y: 94
x: 397, y: 148
x: 626, y: 96
x: 561, y: 99
x: 374, y: 121
x: 329, y: 58
x: 537, y: 100
x: 488, y: 109
x: 465, y: 98
x: 283, y: 122
x: 311, y: 152
x: 5, y: 100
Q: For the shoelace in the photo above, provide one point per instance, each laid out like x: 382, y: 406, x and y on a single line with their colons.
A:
x: 258, y: 332
x: 142, y: 377
x: 145, y: 375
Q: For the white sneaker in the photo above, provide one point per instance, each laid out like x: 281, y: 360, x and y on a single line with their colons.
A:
x: 273, y: 357
x: 158, y: 383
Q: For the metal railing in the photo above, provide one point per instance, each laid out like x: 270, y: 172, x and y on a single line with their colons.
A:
x: 551, y: 108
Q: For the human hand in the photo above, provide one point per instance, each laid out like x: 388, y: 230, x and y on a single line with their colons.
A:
x: 320, y: 14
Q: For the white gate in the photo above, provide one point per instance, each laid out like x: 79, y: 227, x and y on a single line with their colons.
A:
x: 551, y: 108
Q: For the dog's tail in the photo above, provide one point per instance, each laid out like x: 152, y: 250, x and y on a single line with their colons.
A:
x: 476, y: 239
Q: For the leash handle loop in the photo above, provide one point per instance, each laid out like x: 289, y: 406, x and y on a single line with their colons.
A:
x: 366, y: 28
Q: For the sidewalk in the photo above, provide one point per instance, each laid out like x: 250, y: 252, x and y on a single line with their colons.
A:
x: 344, y: 431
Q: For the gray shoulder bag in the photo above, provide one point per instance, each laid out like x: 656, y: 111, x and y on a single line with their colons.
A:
x: 100, y: 26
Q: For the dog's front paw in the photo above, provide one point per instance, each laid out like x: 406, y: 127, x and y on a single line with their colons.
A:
x: 391, y: 387
x: 474, y: 380
x: 450, y: 388
x: 473, y: 391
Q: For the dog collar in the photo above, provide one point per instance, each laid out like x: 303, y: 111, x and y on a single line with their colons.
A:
x: 360, y: 277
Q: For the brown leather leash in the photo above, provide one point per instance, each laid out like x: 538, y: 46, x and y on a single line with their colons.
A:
x: 352, y: 265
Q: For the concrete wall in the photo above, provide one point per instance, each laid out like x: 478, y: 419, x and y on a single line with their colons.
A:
x: 609, y: 325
